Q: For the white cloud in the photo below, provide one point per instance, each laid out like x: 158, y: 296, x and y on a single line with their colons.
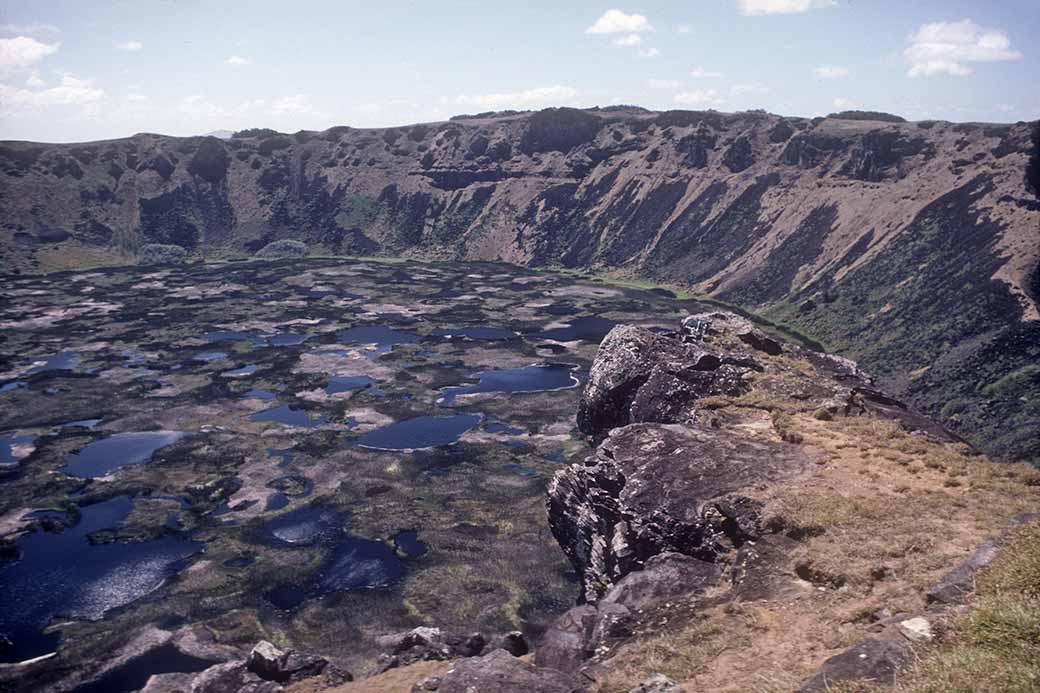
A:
x: 682, y: 29
x: 830, y: 72
x: 72, y: 91
x: 649, y: 52
x: 617, y: 22
x: 129, y: 46
x: 944, y: 48
x: 762, y: 7
x: 843, y: 104
x: 539, y: 96
x: 663, y: 83
x: 35, y: 81
x: 752, y: 88
x: 1005, y: 108
x: 701, y: 73
x: 33, y: 28
x: 700, y: 97
x: 22, y: 51
x: 238, y: 60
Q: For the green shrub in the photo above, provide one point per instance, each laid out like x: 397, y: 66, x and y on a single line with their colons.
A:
x: 283, y: 249
x: 161, y: 254
x: 868, y: 115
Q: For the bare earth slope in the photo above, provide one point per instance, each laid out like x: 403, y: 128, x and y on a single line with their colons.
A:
x: 912, y: 247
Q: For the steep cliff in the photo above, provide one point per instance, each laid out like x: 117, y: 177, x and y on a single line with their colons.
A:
x: 911, y: 246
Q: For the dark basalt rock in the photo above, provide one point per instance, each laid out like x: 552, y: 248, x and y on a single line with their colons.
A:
x: 739, y: 156
x: 641, y: 376
x: 283, y: 666
x: 696, y: 147
x: 501, y: 671
x: 160, y: 164
x: 875, y: 660
x: 210, y: 161
x: 427, y: 644
x: 665, y: 577
x: 701, y: 327
x: 652, y: 489
x: 512, y: 642
x: 569, y: 641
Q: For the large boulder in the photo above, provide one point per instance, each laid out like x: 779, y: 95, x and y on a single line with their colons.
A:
x: 643, y: 376
x: 651, y: 489
x: 271, y: 663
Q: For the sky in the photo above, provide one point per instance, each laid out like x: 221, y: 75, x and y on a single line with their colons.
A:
x: 78, y: 70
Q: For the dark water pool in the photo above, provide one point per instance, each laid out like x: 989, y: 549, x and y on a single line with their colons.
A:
x: 346, y: 383
x: 385, y: 338
x: 537, y: 378
x: 132, y: 676
x: 11, y: 441
x: 227, y: 336
x: 289, y: 416
x: 586, y: 329
x: 407, y: 541
x: 108, y: 454
x: 351, y: 563
x: 242, y: 372
x: 282, y: 339
x: 62, y: 361
x: 62, y: 574
x: 420, y: 432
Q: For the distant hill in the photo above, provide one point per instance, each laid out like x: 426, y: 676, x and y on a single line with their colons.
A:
x: 220, y: 134
x: 912, y: 247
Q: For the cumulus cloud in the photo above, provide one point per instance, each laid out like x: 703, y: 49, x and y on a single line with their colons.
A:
x: 539, y: 96
x: 34, y: 80
x: 830, y: 72
x: 682, y: 29
x: 22, y: 51
x: 629, y: 40
x: 663, y: 83
x: 761, y: 7
x: 617, y: 22
x: 649, y: 52
x: 700, y: 97
x: 843, y: 104
x: 29, y: 29
x: 71, y: 91
x: 129, y: 46
x: 946, y: 48
x: 701, y: 73
x: 238, y: 60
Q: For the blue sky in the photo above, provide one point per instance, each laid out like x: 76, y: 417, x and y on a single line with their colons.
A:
x: 72, y: 70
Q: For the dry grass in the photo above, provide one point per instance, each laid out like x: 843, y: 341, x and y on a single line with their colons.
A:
x: 995, y: 646
x: 880, y: 519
